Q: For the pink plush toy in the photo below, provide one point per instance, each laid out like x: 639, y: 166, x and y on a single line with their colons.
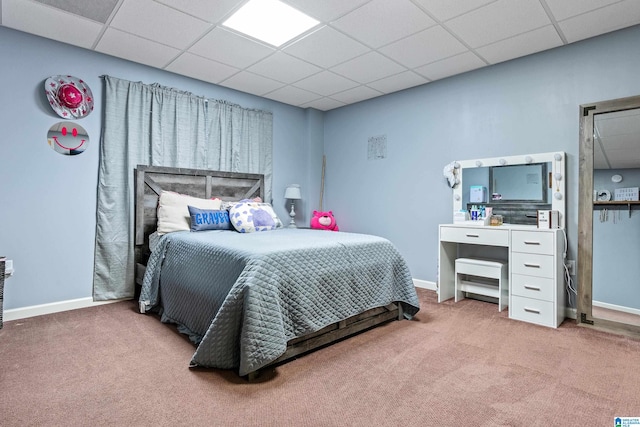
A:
x: 324, y: 221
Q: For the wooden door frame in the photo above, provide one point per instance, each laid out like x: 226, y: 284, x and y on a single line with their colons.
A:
x: 584, y: 314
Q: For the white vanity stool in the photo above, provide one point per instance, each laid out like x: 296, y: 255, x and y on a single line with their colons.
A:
x: 481, y: 268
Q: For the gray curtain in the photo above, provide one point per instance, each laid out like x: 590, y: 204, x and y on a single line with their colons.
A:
x: 160, y: 126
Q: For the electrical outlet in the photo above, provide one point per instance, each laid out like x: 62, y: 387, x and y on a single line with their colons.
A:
x: 571, y: 266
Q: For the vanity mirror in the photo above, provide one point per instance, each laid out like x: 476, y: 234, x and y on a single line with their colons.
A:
x: 516, y: 186
x: 518, y: 183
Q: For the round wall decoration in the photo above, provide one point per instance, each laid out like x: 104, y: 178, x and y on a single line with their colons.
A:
x: 68, y: 138
x: 69, y: 96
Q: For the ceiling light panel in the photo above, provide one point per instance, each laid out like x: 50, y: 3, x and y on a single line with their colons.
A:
x: 327, y: 10
x: 270, y: 21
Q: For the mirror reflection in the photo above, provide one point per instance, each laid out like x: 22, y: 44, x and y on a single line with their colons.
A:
x: 473, y: 184
x: 616, y: 216
x: 516, y: 192
x: 518, y: 183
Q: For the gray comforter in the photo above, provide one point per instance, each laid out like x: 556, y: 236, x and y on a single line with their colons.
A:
x: 241, y: 297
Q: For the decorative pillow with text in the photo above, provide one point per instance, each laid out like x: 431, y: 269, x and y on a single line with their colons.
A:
x: 209, y: 219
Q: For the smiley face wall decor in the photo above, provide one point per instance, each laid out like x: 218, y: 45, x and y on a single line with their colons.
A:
x: 68, y: 138
x: 69, y: 96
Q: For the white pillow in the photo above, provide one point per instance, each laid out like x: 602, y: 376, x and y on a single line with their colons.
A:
x: 173, y: 211
x: 248, y: 216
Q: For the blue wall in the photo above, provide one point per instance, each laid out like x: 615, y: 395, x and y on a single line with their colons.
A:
x: 616, y: 244
x: 528, y: 105
x: 48, y: 200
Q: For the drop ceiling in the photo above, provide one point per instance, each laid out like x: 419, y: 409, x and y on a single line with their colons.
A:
x: 361, y: 49
x: 617, y: 140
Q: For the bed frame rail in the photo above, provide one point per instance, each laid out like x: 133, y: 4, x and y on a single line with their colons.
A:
x: 335, y: 332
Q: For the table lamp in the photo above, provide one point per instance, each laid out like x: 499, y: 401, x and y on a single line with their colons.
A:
x: 292, y: 193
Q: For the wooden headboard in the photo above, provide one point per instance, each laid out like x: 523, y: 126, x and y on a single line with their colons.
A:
x: 150, y: 181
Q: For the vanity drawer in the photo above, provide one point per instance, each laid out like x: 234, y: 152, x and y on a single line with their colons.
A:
x: 532, y: 264
x: 534, y: 242
x: 475, y: 235
x: 532, y: 311
x: 541, y: 288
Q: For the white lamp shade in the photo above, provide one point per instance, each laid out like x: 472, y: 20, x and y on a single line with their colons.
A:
x: 292, y: 192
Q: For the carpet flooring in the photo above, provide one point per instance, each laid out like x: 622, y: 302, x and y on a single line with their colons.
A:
x: 461, y: 364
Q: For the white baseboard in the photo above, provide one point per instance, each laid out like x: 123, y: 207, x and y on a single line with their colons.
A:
x: 54, y: 307
x: 425, y: 284
x: 616, y: 307
x: 74, y: 304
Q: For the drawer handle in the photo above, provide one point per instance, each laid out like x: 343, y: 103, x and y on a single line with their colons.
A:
x: 473, y: 235
x: 531, y: 242
x: 532, y: 288
x: 531, y: 310
x: 528, y: 264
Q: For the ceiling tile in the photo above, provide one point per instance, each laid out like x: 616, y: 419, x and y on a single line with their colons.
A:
x: 326, y: 83
x: 610, y: 18
x: 323, y: 104
x: 622, y: 160
x: 161, y: 23
x: 29, y: 17
x: 618, y: 157
x: 136, y: 49
x: 98, y: 11
x: 626, y: 122
x: 201, y: 68
x: 356, y: 94
x: 563, y: 9
x: 203, y: 9
x: 231, y: 49
x: 458, y: 64
x: 319, y: 48
x: 380, y: 22
x: 251, y: 83
x: 368, y: 67
x: 365, y: 47
x: 292, y: 95
x: 621, y: 143
x: 326, y: 10
x: 599, y: 161
x: 498, y: 21
x: 447, y: 9
x: 521, y: 45
x: 425, y: 47
x: 284, y: 68
x: 398, y: 82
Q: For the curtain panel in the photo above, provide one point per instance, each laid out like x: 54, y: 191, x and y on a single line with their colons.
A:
x: 161, y: 126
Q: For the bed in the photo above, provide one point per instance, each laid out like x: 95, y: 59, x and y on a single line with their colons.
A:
x: 252, y: 300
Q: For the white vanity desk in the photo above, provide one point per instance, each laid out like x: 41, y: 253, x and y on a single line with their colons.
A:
x: 536, y: 285
x: 535, y: 256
